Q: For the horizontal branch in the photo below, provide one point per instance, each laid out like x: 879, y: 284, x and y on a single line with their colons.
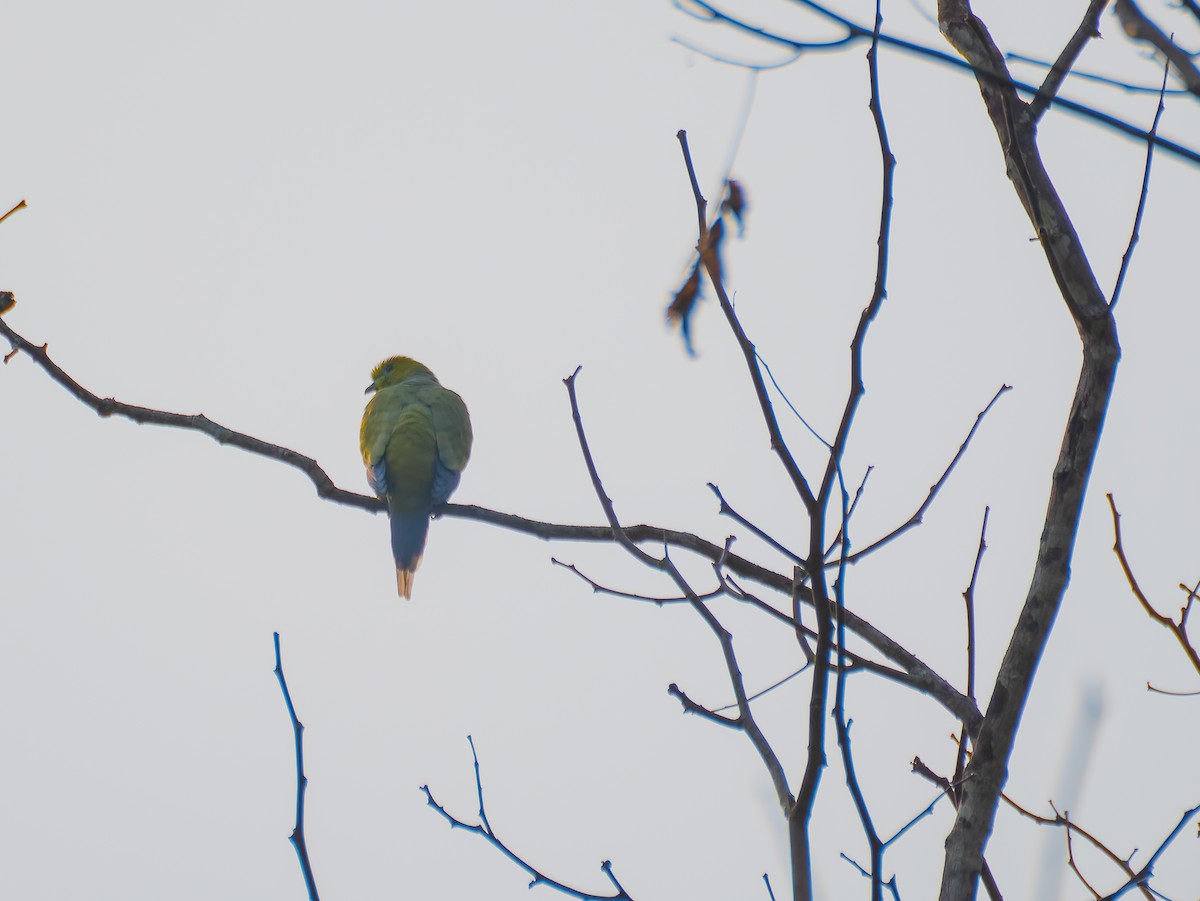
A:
x: 198, y: 422
x: 916, y: 673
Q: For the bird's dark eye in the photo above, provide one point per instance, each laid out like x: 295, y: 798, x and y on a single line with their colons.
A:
x: 387, y: 368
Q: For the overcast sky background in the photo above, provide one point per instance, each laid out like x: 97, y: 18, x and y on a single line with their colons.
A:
x: 239, y: 208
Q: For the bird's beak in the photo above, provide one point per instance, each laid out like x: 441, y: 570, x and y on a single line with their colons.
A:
x: 370, y: 388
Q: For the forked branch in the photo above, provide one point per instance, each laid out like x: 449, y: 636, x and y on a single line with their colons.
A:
x: 1017, y: 133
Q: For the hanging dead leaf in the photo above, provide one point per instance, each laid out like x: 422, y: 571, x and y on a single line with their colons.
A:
x: 735, y: 203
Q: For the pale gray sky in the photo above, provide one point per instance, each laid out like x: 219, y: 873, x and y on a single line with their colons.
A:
x: 238, y: 209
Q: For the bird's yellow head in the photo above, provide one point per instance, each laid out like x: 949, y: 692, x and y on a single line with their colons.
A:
x: 395, y: 370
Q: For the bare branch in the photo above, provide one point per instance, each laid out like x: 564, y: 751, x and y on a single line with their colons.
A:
x: 745, y: 719
x: 952, y: 791
x: 739, y: 63
x: 918, y: 516
x: 888, y: 166
x: 1063, y: 820
x: 999, y: 74
x: 858, y: 494
x: 783, y: 394
x: 1017, y: 135
x: 21, y: 204
x: 770, y: 688
x: 199, y: 422
x: 709, y: 246
x: 960, y: 763
x: 597, y: 588
x: 690, y: 706
x: 727, y: 510
x: 1178, y: 629
x: 1127, y: 86
x: 1089, y: 28
x: 1141, y: 207
x: 842, y: 723
x: 1142, y: 877
x: 1073, y: 863
x: 915, y: 673
x: 297, y: 836
x: 537, y: 877
x: 1140, y: 28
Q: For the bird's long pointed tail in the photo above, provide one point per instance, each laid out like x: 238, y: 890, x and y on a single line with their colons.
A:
x: 408, y: 543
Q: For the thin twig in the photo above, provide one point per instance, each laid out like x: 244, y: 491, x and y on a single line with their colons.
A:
x: 1071, y: 862
x: 727, y: 510
x: 960, y: 763
x: 690, y: 706
x: 1141, y: 207
x: 1092, y: 76
x: 708, y: 244
x: 749, y: 65
x: 1177, y: 629
x: 842, y: 724
x: 701, y: 203
x: 537, y: 877
x: 1060, y: 820
x: 951, y: 790
x: 770, y: 688
x: 996, y: 74
x: 108, y: 406
x: 918, y: 516
x: 1143, y: 875
x: 745, y: 719
x: 783, y: 394
x: 858, y: 494
x: 20, y: 206
x: 597, y: 588
x: 297, y: 836
x: 1140, y: 28
x: 1089, y: 28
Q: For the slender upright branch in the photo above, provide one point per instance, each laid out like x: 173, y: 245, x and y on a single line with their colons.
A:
x: 834, y: 468
x: 1145, y: 193
x: 960, y: 763
x: 875, y: 844
x: 709, y: 246
x: 1089, y: 28
x: 1017, y: 133
x: 297, y: 837
x: 879, y: 292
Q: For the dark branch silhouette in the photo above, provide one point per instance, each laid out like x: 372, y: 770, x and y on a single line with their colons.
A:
x: 484, y: 829
x: 297, y: 836
x: 1016, y: 133
x: 1177, y: 629
x: 1145, y: 193
x: 995, y: 71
